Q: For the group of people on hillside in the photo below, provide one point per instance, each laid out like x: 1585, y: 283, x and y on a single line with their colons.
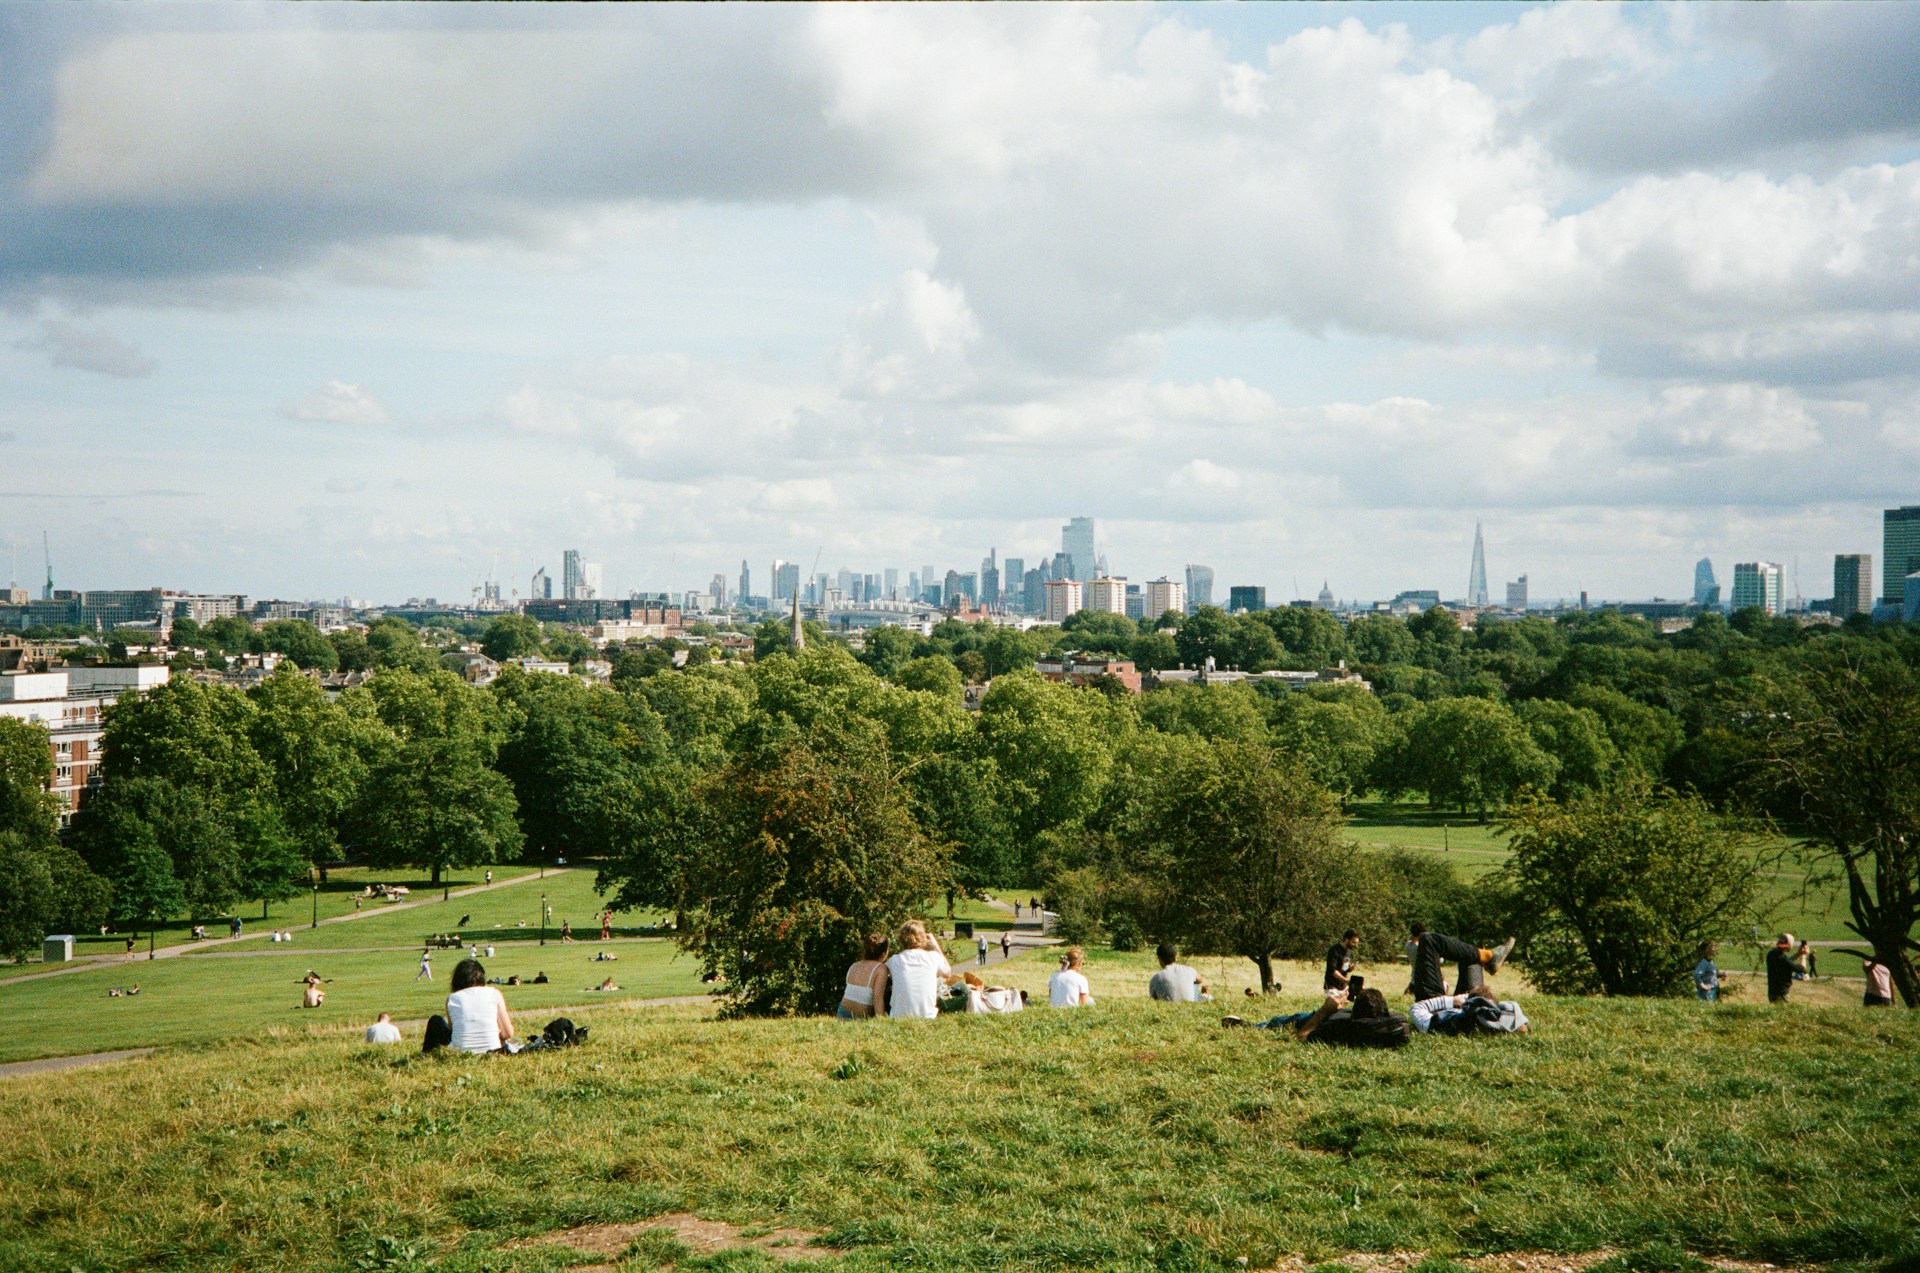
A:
x: 1787, y: 963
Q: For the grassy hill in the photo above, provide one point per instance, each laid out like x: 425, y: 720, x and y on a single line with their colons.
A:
x: 1132, y: 1136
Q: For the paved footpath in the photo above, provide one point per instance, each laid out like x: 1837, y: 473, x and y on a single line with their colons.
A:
x: 215, y: 943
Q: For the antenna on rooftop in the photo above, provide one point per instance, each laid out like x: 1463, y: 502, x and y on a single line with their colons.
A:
x: 47, y: 548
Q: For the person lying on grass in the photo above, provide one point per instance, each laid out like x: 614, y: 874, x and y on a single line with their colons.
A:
x: 1428, y: 950
x: 477, y: 1020
x: 1366, y: 1022
x: 1468, y: 1014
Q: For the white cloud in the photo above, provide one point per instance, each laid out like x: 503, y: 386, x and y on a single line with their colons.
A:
x: 336, y: 402
x: 88, y: 349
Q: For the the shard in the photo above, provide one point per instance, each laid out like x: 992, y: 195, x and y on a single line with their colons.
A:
x: 1477, y: 581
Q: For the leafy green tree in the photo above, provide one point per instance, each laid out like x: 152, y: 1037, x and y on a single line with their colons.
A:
x: 1210, y: 711
x: 1205, y: 635
x: 1465, y: 752
x: 351, y: 651
x: 1311, y: 639
x: 1577, y: 741
x: 26, y: 771
x: 810, y: 844
x: 1335, y: 738
x: 1840, y: 749
x: 1642, y: 735
x: 1098, y: 632
x: 1155, y: 652
x: 570, y: 755
x: 570, y: 646
x: 1007, y: 650
x: 431, y: 798
x: 1617, y: 888
x: 44, y: 888
x: 1254, y: 854
x: 511, y: 636
x: 934, y: 674
x: 889, y: 648
x: 316, y: 755
x: 184, y: 632
x: 630, y: 664
x: 396, y: 643
x: 301, y: 642
x: 972, y: 666
x: 1053, y: 747
x: 1380, y: 639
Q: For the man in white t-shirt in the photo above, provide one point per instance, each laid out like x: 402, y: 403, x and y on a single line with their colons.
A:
x: 915, y: 974
x: 383, y: 1030
x: 1068, y: 988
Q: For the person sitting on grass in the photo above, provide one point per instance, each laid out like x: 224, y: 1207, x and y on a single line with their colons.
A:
x: 865, y: 992
x: 1176, y: 982
x: 1068, y: 988
x: 605, y: 985
x: 477, y: 1020
x: 1468, y: 1014
x: 313, y: 996
x: 916, y: 972
x: 1429, y: 950
x: 383, y: 1030
x: 1365, y: 1023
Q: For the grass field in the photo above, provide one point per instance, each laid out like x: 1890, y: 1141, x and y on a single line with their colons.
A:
x: 1133, y: 1136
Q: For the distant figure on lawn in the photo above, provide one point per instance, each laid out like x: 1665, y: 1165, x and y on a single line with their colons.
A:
x: 916, y: 972
x: 1006, y: 945
x: 566, y: 930
x: 383, y: 1030
x: 606, y: 925
x: 1781, y: 969
x: 1879, y: 983
x: 865, y: 992
x: 980, y: 944
x: 1340, y: 962
x: 1068, y: 988
x: 129, y: 947
x: 426, y: 965
x: 1808, y: 959
x: 313, y: 996
x: 1706, y: 973
x: 477, y: 1020
x: 1366, y: 1023
x: 1428, y: 950
x: 1468, y: 1014
x: 1175, y: 982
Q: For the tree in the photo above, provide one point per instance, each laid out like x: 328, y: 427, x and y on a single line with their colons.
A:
x: 1053, y: 746
x: 26, y: 771
x: 1616, y: 889
x: 316, y: 755
x: 1253, y: 852
x: 301, y: 642
x: 1840, y: 748
x: 44, y: 886
x: 396, y: 643
x: 1576, y: 739
x: 934, y: 674
x: 887, y: 649
x: 1312, y: 638
x: 810, y: 844
x: 511, y: 636
x: 232, y: 634
x: 1098, y: 631
x: 1464, y: 752
x: 1205, y: 635
x: 351, y: 651
x: 1211, y: 711
x: 1335, y: 738
x: 1380, y: 639
x: 1155, y: 651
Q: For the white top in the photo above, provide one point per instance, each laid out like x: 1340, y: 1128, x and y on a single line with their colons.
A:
x: 1065, y: 987
x: 474, y: 1014
x: 1880, y: 981
x: 916, y: 983
x: 383, y: 1032
x: 1426, y: 1010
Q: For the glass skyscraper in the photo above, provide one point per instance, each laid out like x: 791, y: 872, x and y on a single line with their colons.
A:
x: 1900, y: 551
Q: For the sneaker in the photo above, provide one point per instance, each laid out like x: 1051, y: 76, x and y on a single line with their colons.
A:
x: 1231, y: 1021
x: 1500, y: 954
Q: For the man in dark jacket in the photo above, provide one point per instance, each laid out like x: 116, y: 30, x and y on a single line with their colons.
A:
x: 1781, y: 970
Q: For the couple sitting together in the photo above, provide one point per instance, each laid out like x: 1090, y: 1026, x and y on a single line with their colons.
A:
x: 910, y: 983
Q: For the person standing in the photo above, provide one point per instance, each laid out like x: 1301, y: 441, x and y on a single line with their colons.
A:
x: 606, y: 925
x: 489, y: 875
x: 1879, y: 983
x: 1780, y: 969
x: 1809, y: 961
x: 1706, y: 973
x: 1340, y: 962
x: 980, y: 944
x: 426, y: 963
x: 1069, y: 988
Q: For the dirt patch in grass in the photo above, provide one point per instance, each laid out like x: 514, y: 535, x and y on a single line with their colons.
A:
x: 700, y: 1237
x: 1505, y: 1262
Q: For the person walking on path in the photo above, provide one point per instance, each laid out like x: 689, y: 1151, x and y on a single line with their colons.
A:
x: 426, y: 964
x: 980, y: 944
x: 566, y: 930
x: 1006, y: 945
x: 1780, y: 969
x: 606, y: 925
x: 489, y: 875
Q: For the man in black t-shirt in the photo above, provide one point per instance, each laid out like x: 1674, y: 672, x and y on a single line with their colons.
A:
x: 1340, y: 962
x: 1781, y: 969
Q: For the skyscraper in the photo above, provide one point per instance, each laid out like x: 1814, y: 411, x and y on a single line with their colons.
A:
x: 1853, y: 584
x: 1063, y: 599
x: 1199, y: 586
x: 1477, y: 576
x: 746, y: 582
x: 719, y: 590
x: 892, y: 584
x: 1757, y: 583
x: 1076, y: 541
x: 573, y: 581
x: 1248, y: 597
x: 990, y: 578
x: 1899, y: 551
x: 541, y: 589
x: 1013, y: 583
x: 592, y: 579
x: 786, y: 580
x: 1706, y: 589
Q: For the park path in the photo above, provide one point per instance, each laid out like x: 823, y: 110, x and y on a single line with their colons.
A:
x: 215, y: 943
x: 1027, y: 934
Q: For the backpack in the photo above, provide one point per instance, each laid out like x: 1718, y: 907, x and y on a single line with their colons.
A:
x: 562, y: 1033
x: 1342, y: 1030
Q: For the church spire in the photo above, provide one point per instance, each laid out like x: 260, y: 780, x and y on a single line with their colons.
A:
x: 797, y: 638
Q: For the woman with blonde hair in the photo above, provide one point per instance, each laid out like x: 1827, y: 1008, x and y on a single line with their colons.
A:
x: 916, y: 972
x: 865, y: 994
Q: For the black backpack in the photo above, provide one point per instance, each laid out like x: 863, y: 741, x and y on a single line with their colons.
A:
x: 562, y: 1033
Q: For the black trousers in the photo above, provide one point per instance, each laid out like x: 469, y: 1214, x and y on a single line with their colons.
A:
x: 1433, y: 950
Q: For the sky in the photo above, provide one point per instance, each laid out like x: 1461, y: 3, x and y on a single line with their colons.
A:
x: 378, y: 301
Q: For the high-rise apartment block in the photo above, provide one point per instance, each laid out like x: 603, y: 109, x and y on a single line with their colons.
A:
x: 1063, y: 599
x: 786, y: 580
x: 1250, y: 598
x: 1107, y: 595
x: 1853, y: 584
x: 1899, y: 551
x: 1517, y: 595
x: 1076, y: 543
x: 746, y: 582
x: 1757, y: 583
x: 1199, y: 586
x: 1162, y: 595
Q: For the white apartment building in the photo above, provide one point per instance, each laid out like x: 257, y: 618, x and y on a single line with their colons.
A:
x: 1064, y: 598
x: 1164, y: 594
x: 1108, y: 595
x: 68, y: 704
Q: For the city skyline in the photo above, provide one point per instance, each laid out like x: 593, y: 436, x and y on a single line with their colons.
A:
x: 324, y: 300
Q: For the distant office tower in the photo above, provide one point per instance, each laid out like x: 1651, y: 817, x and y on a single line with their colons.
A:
x: 718, y: 587
x: 1477, y: 577
x: 746, y: 582
x: 1517, y: 595
x: 541, y: 589
x: 593, y: 578
x: 1706, y: 589
x: 892, y: 583
x: 1063, y: 599
x: 1013, y: 583
x: 927, y: 578
x: 1076, y: 541
x: 990, y: 578
x: 573, y: 582
x: 1899, y: 551
x: 1248, y: 597
x: 1199, y: 586
x: 786, y: 580
x: 1163, y: 594
x: 1108, y: 595
x: 1910, y: 608
x: 1033, y: 590
x: 1853, y: 584
x: 1757, y: 583
x: 1136, y: 603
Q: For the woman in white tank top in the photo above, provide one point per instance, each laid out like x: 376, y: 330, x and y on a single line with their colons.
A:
x: 866, y: 988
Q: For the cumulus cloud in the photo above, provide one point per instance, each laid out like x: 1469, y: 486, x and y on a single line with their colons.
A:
x: 336, y: 402
x: 88, y: 349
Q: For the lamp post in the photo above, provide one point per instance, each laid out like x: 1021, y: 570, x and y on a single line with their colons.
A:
x: 315, y: 882
x: 544, y: 912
